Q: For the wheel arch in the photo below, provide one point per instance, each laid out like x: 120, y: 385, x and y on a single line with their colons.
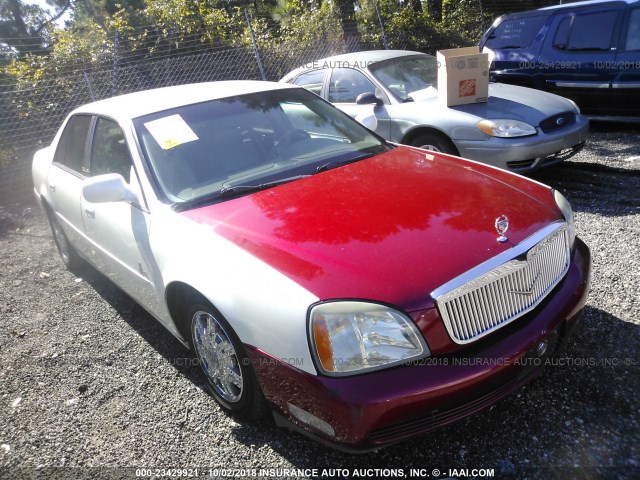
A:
x: 177, y: 294
x: 421, y: 130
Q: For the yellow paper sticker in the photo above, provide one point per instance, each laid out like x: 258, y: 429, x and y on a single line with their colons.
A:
x: 171, y: 131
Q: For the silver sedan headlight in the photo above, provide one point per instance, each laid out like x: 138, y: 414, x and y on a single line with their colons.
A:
x: 505, y: 128
x: 567, y: 213
x: 351, y: 337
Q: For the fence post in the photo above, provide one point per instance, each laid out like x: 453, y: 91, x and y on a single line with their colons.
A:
x: 86, y: 80
x: 114, y: 70
x: 255, y: 45
x: 384, y: 35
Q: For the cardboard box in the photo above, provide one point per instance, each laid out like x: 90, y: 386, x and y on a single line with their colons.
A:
x: 463, y: 76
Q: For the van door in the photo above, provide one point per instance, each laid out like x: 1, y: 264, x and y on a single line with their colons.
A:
x: 625, y: 87
x: 577, y: 55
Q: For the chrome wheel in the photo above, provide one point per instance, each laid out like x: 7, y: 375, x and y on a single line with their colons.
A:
x: 218, y: 356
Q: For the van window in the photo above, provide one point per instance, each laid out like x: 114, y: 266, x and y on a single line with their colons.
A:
x: 586, y: 32
x: 516, y: 33
x: 633, y: 33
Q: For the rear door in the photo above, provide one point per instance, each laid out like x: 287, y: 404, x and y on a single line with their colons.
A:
x: 578, y: 53
x: 625, y: 87
x: 66, y: 177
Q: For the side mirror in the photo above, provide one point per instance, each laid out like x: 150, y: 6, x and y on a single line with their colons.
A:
x: 109, y: 187
x: 368, y: 120
x: 368, y: 98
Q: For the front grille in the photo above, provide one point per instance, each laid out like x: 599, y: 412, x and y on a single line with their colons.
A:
x: 557, y: 121
x: 488, y: 300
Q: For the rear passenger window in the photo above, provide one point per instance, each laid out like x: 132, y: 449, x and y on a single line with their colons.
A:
x: 633, y: 32
x: 586, y: 32
x: 312, y: 81
x: 517, y: 33
x: 71, y: 148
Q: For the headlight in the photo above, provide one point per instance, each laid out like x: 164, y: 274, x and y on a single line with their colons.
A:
x: 350, y: 337
x: 567, y: 213
x: 506, y: 128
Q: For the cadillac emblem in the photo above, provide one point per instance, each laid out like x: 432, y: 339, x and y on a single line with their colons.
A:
x: 502, y: 225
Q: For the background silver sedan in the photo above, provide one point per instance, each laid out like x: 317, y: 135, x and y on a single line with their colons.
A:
x: 394, y: 93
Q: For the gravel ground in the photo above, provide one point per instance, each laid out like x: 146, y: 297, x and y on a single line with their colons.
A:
x: 89, y: 380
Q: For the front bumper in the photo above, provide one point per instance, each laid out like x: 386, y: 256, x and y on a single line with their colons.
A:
x: 528, y: 154
x: 380, y: 408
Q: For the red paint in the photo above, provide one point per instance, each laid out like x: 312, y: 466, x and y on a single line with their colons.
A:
x: 378, y: 408
x: 391, y: 228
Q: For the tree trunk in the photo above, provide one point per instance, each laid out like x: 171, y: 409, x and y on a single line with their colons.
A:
x: 347, y: 13
x: 416, y: 6
x: 434, y: 7
x: 15, y: 7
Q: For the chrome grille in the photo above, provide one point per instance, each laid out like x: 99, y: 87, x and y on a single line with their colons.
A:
x: 489, y: 296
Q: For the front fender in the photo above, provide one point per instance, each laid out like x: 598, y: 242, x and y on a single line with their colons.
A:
x: 266, y: 309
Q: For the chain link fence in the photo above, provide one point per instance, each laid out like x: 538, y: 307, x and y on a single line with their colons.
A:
x: 30, y: 115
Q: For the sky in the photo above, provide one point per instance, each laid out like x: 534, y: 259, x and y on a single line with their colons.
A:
x: 43, y: 4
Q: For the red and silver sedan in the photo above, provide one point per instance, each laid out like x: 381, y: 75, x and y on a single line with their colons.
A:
x: 360, y: 291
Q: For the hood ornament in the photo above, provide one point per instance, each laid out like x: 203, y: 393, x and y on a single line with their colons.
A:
x: 502, y: 225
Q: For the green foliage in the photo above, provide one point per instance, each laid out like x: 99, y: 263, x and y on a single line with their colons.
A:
x: 463, y: 16
x: 405, y: 29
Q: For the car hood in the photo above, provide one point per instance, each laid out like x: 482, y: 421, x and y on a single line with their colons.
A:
x: 507, y: 101
x: 391, y: 228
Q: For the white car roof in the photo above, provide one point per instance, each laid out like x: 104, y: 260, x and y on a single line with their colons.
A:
x: 133, y: 105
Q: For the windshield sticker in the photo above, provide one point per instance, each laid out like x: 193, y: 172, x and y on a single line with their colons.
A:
x: 171, y: 131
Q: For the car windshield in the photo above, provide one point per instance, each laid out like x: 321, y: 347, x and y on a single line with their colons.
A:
x: 238, y: 144
x: 408, y: 78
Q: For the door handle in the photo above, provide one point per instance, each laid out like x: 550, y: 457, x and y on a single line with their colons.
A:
x: 90, y: 213
x: 52, y: 187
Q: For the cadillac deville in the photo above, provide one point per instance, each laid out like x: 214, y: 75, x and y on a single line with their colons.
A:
x: 359, y: 291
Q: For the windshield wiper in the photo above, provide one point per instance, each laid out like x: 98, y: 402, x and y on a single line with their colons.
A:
x: 339, y: 163
x: 261, y: 186
x: 231, y: 192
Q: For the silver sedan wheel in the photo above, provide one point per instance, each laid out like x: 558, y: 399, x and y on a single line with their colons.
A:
x: 218, y: 357
x: 431, y: 148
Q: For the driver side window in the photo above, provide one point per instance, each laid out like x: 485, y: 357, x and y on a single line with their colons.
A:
x: 346, y: 84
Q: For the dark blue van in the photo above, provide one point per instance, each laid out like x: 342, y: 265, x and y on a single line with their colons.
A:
x: 586, y: 51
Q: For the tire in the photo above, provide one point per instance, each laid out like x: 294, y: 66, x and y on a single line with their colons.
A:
x: 70, y: 257
x: 434, y: 143
x: 224, y: 362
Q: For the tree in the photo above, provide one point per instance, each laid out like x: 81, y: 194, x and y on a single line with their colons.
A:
x: 347, y: 13
x: 26, y: 27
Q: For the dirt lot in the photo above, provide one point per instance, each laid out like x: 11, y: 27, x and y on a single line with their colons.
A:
x: 90, y: 381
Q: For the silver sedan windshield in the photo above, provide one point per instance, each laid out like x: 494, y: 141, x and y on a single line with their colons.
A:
x: 408, y: 77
